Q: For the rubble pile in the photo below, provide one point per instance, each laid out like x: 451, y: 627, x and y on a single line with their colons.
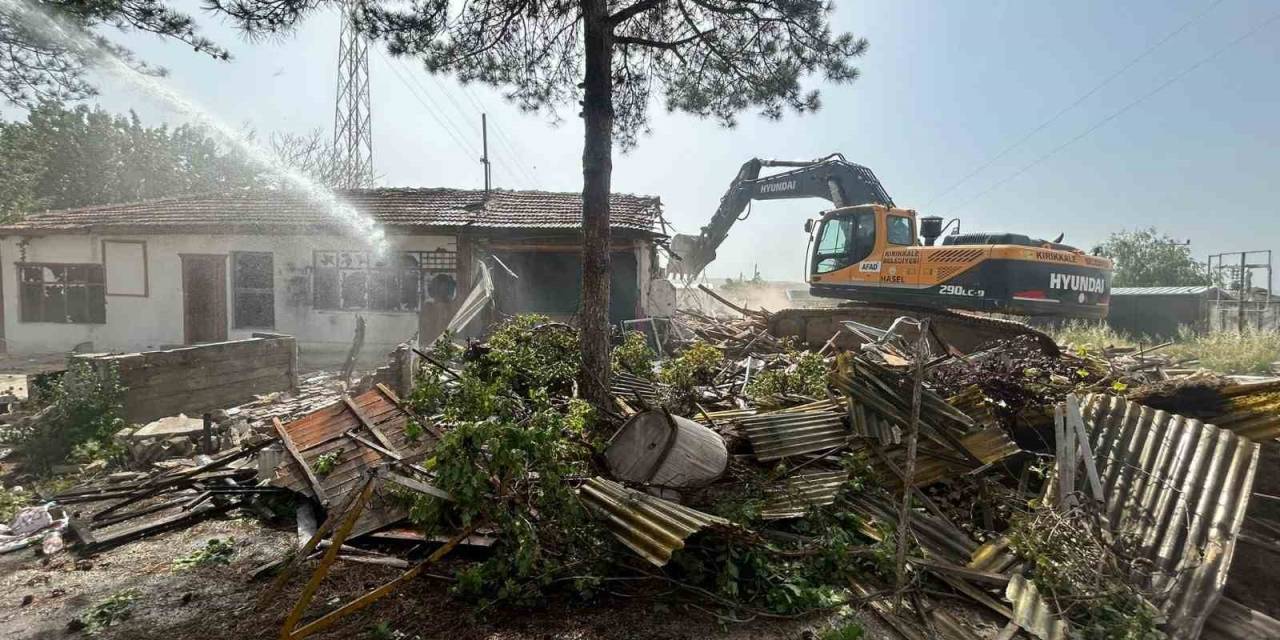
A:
x: 746, y: 476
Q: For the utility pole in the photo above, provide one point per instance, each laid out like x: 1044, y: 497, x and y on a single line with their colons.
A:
x: 484, y: 139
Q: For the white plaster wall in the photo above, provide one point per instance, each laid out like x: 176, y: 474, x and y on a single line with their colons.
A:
x: 154, y: 321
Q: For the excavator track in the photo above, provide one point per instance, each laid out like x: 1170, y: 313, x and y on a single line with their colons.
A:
x: 960, y: 330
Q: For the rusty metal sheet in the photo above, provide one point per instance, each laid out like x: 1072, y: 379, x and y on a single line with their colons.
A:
x: 652, y: 527
x: 793, y: 496
x: 1251, y: 410
x: 1176, y: 490
x: 933, y: 464
x: 325, y: 431
x: 777, y: 435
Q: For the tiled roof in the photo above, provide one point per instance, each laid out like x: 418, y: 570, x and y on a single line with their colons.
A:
x: 401, y: 208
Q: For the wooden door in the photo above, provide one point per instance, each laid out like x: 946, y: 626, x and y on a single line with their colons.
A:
x: 204, y: 298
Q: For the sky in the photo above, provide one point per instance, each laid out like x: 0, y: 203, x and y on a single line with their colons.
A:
x: 950, y: 113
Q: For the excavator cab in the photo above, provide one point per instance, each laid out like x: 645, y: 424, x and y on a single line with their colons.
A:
x: 856, y: 235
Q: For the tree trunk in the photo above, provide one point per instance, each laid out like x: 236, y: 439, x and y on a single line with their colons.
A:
x: 597, y: 168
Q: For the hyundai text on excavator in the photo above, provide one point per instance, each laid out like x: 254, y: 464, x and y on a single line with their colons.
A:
x: 866, y: 249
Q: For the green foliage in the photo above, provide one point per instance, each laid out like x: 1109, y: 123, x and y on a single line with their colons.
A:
x: 1148, y: 258
x: 708, y: 58
x: 39, y: 66
x: 11, y: 501
x: 82, y: 409
x: 110, y: 611
x: 325, y: 462
x: 849, y: 630
x: 696, y: 365
x: 382, y: 631
x: 215, y: 551
x: 64, y: 157
x: 530, y: 352
x: 634, y: 355
x: 413, y: 431
x: 505, y: 458
x: 805, y: 374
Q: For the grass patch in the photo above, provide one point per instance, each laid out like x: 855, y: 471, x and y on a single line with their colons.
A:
x: 215, y: 551
x: 1249, y: 352
x: 115, y: 609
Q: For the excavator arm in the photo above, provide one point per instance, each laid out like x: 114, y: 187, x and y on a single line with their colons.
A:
x: 832, y: 178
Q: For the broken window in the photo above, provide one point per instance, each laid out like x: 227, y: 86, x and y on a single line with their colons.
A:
x: 396, y: 281
x: 66, y: 293
x: 254, y: 285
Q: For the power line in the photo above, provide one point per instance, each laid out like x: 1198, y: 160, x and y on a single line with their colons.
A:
x: 501, y: 137
x: 1115, y: 114
x: 1085, y: 96
x: 472, y: 134
x: 462, y: 114
x: 431, y: 111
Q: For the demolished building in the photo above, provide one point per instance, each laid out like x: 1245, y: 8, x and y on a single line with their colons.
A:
x: 197, y: 269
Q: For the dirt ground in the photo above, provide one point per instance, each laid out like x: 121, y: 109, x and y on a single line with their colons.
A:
x: 218, y: 601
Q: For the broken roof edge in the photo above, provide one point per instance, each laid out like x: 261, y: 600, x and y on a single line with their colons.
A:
x: 397, y: 209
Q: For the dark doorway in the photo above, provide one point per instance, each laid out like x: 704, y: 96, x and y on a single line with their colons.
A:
x: 551, y: 283
x: 204, y: 298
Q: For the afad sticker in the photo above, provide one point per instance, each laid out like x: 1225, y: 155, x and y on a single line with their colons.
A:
x: 869, y: 267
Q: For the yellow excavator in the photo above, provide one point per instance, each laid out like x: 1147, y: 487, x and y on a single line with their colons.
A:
x: 866, y: 249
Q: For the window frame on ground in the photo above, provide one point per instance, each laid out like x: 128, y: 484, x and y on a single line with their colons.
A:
x: 358, y: 280
x: 249, y: 286
x: 77, y: 281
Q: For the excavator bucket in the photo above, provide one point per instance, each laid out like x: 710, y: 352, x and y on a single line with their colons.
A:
x: 690, y: 256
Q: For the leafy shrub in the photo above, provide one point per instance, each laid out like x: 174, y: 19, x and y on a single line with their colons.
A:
x: 804, y: 375
x: 696, y: 365
x: 215, y: 551
x: 510, y: 446
x: 83, y: 406
x: 11, y: 501
x: 110, y: 611
x: 634, y: 355
x: 1079, y: 573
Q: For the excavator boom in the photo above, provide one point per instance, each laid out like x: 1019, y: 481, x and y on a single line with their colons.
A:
x: 831, y: 178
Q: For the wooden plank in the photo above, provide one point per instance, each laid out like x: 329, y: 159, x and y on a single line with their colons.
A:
x: 143, y: 530
x: 426, y: 424
x: 316, y: 487
x: 364, y: 421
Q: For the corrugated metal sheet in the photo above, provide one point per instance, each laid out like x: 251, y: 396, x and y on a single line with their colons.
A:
x: 934, y: 464
x: 794, y: 496
x: 1251, y: 410
x: 627, y: 386
x: 650, y: 526
x: 781, y: 434
x: 1031, y: 612
x: 1177, y: 489
x: 1231, y: 620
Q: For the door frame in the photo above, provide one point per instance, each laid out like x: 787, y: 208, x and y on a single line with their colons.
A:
x: 186, y: 325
